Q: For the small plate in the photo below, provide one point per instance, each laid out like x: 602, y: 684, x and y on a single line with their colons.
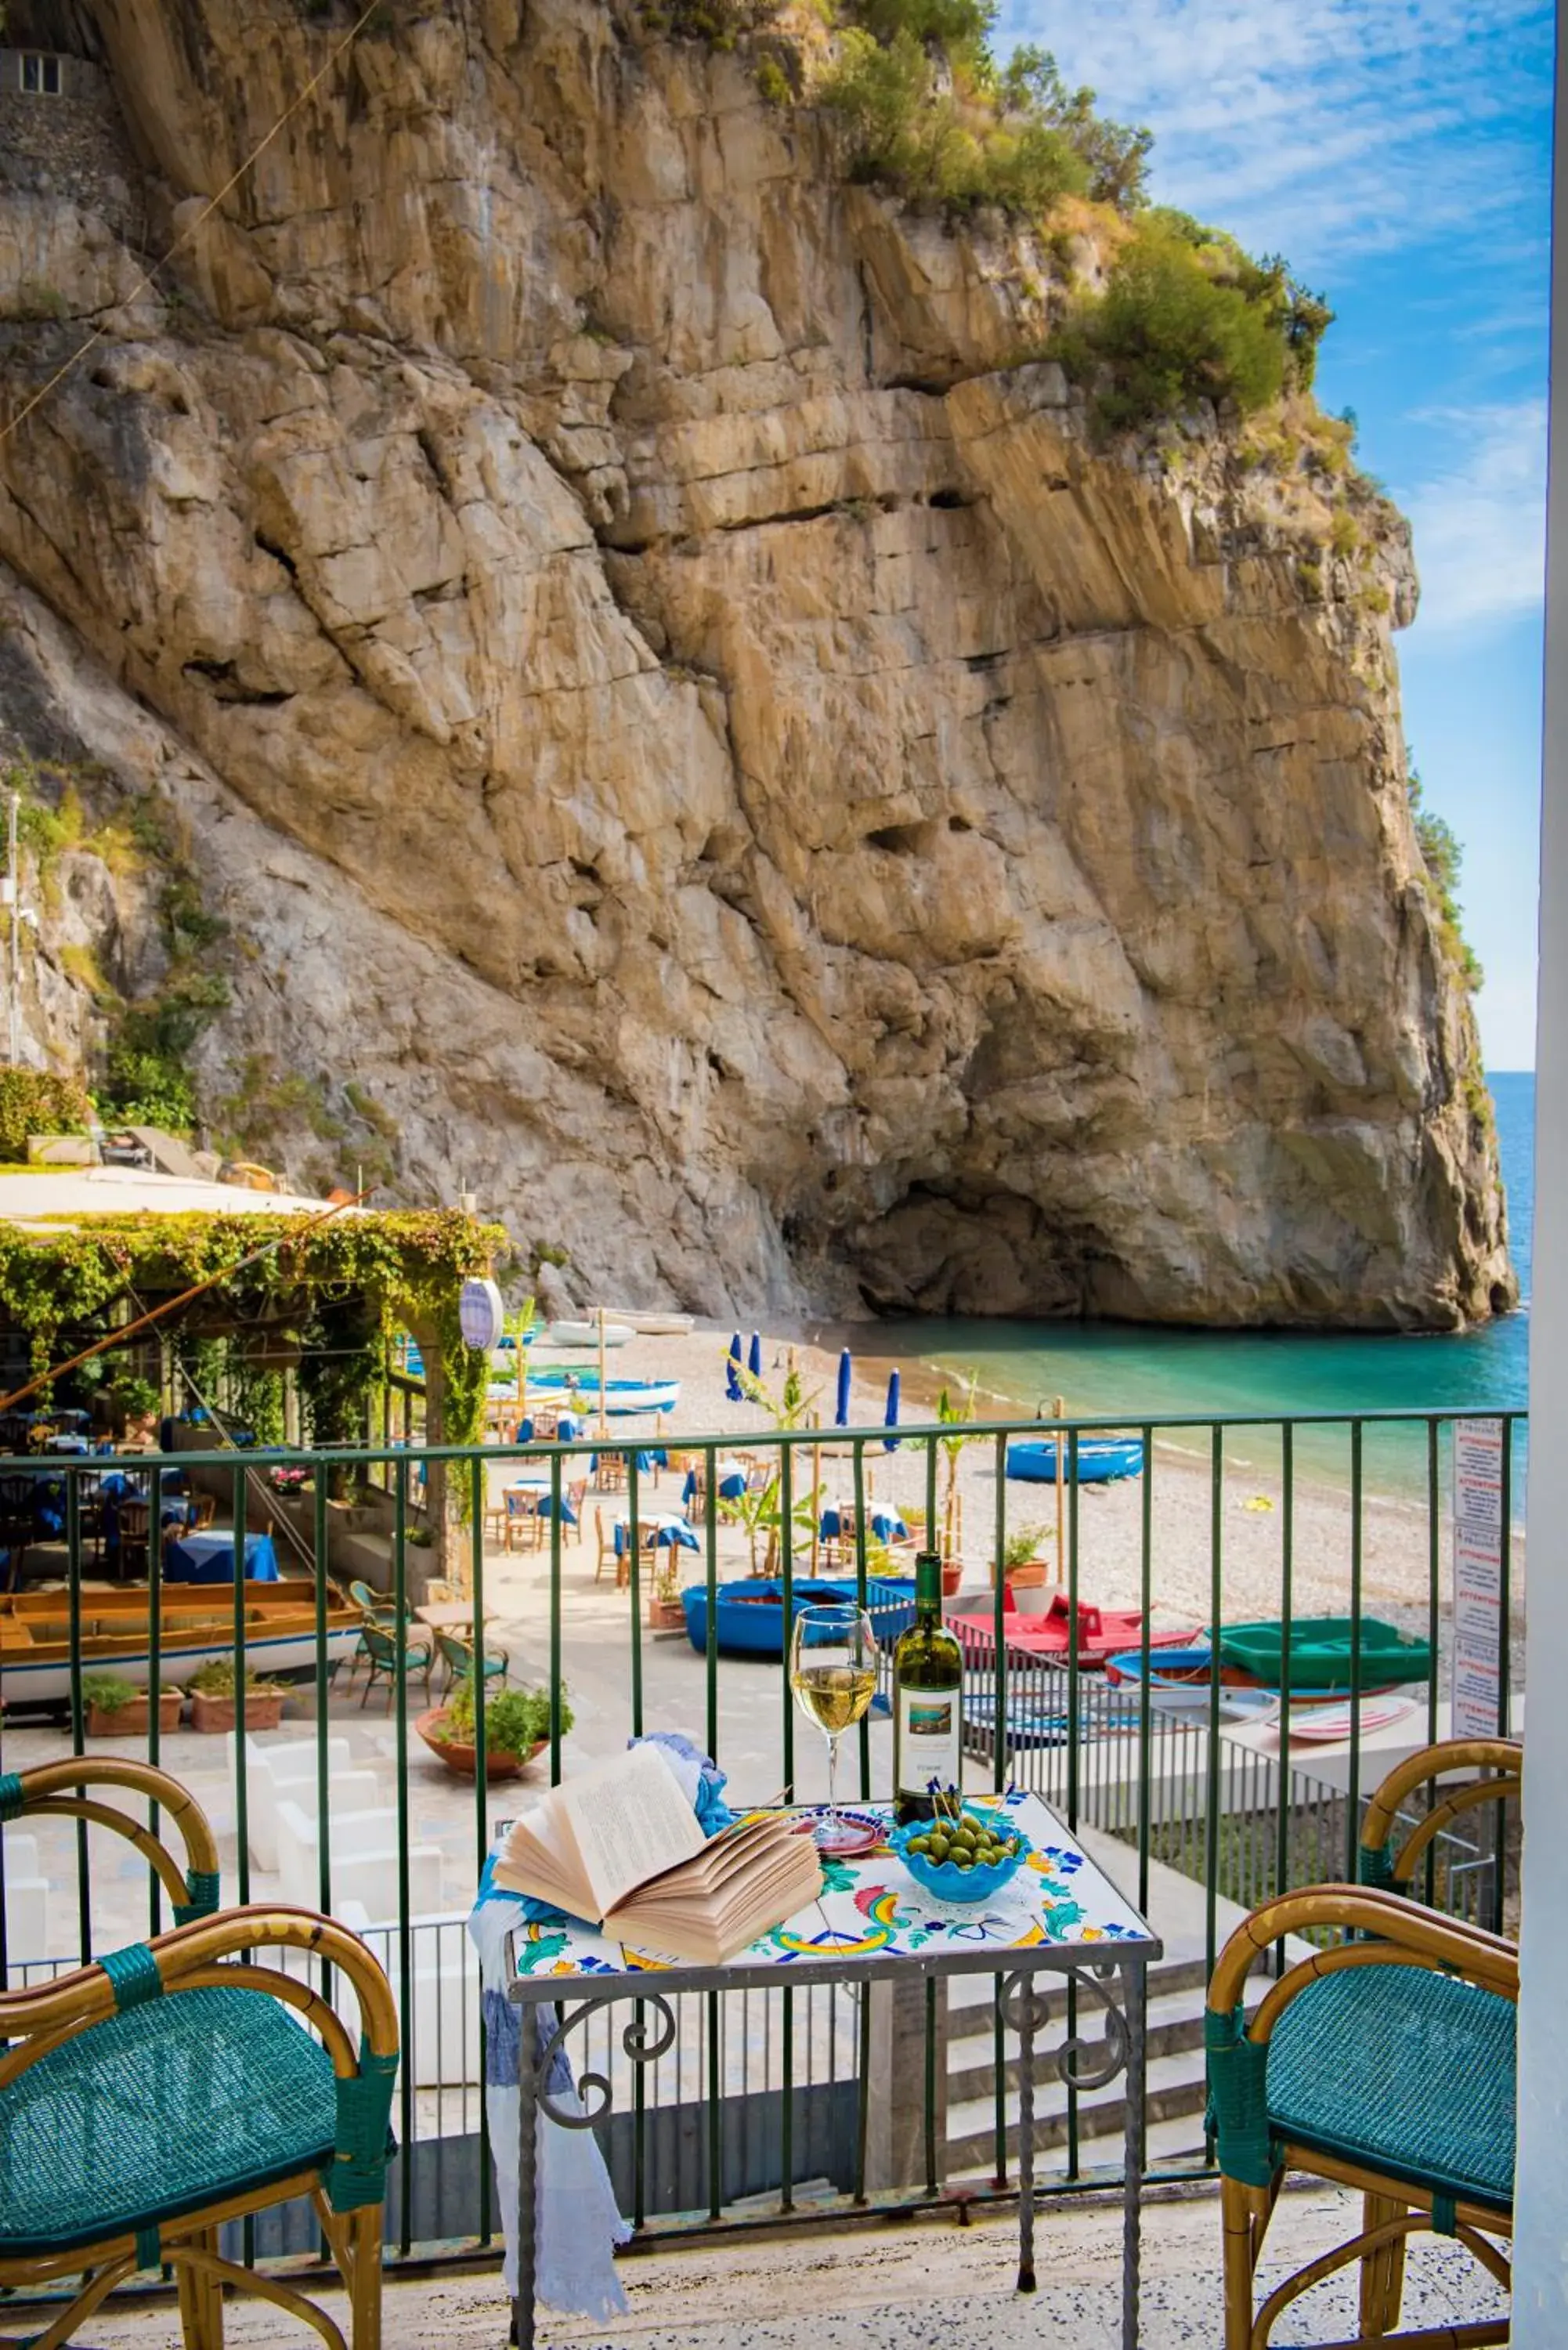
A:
x: 856, y: 1833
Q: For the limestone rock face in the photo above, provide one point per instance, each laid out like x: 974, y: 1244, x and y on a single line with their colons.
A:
x: 681, y: 716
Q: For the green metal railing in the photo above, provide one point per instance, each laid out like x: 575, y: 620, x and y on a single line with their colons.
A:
x: 1242, y: 1836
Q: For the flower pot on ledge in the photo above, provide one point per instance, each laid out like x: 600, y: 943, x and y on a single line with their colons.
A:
x: 133, y: 1719
x: 952, y: 1577
x: 263, y: 1710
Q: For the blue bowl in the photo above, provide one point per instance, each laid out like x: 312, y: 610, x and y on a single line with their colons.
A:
x: 948, y: 1883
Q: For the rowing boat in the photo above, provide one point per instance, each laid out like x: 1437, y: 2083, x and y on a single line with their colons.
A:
x: 196, y: 1625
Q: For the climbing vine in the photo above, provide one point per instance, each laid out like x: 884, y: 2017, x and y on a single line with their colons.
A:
x: 358, y: 1276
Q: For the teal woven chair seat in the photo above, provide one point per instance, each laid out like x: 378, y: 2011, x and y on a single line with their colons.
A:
x: 1404, y: 2071
x: 158, y: 2111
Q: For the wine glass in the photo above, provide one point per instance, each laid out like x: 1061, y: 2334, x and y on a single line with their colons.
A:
x: 832, y: 1673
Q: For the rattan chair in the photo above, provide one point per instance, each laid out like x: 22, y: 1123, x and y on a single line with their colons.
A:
x: 157, y: 2093
x: 1384, y: 2063
x: 1384, y: 1860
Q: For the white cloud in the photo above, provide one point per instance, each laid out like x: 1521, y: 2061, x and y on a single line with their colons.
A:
x: 1312, y: 126
x: 1480, y: 521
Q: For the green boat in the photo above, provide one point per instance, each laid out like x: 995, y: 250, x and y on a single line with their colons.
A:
x: 1320, y: 1650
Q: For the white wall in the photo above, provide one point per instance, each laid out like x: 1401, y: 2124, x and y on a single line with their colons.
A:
x: 1541, y: 2262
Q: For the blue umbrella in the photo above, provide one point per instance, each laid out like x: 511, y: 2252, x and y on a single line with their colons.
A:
x: 841, y: 1413
x: 755, y: 1360
x: 732, y: 1388
x: 891, y: 1417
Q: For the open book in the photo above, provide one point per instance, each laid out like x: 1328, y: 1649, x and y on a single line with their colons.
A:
x: 621, y: 1847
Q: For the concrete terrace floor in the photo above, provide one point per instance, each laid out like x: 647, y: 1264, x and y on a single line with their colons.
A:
x: 930, y: 2286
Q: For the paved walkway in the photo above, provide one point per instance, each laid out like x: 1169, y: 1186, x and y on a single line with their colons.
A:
x: 929, y: 2286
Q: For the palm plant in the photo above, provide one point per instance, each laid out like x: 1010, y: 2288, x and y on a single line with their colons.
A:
x: 954, y: 1411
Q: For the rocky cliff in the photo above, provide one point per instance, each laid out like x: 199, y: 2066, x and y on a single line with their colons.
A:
x: 687, y: 731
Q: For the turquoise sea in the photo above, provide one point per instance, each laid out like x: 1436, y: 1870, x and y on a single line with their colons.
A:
x: 1143, y: 1373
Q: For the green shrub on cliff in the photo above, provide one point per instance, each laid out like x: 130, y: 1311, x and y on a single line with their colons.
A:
x: 1187, y: 315
x: 927, y: 113
x: 36, y: 1101
x: 1443, y: 858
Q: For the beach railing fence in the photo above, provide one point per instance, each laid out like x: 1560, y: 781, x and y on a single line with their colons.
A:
x: 762, y: 2106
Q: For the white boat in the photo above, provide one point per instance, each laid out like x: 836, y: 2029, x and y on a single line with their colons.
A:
x: 197, y: 1625
x: 657, y: 1325
x: 587, y: 1333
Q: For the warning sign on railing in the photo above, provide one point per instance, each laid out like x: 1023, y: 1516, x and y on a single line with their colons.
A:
x: 1479, y: 1629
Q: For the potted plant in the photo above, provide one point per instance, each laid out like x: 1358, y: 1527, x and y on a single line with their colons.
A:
x: 1024, y: 1573
x: 117, y: 1708
x: 516, y: 1728
x: 212, y: 1705
x: 133, y: 1409
x: 665, y: 1612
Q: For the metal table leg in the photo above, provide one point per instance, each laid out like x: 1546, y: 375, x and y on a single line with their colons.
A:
x: 527, y: 2155
x: 1135, y: 1987
x: 1026, y: 2010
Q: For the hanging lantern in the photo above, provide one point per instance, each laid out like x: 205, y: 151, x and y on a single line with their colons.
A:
x: 479, y: 1315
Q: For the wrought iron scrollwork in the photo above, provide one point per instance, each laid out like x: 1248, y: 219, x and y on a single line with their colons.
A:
x: 644, y: 2040
x: 1081, y: 2063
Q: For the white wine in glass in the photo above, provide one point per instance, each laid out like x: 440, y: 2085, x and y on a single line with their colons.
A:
x: 832, y: 1674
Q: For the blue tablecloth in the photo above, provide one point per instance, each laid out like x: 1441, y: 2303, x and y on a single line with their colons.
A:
x: 731, y: 1486
x: 671, y: 1535
x: 886, y: 1525
x: 645, y: 1461
x: 566, y: 1430
x: 542, y: 1503
x: 210, y: 1558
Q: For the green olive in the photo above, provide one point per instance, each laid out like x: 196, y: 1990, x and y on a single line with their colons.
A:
x: 962, y: 1859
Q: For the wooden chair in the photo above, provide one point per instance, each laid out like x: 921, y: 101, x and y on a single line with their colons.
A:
x: 174, y: 2092
x: 204, y: 1511
x: 135, y: 1519
x: 1385, y: 1860
x: 526, y: 1523
x: 1384, y: 2063
x: 610, y: 1474
x: 618, y: 1561
x: 577, y: 1494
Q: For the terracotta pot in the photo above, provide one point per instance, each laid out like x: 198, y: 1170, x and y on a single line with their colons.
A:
x: 263, y: 1710
x: 463, y: 1761
x: 1026, y: 1589
x: 132, y: 1719
x: 952, y: 1577
x: 666, y: 1615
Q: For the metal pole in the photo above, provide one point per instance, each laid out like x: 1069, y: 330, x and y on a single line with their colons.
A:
x: 1058, y: 1411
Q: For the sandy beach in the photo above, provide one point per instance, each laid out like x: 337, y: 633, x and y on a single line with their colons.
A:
x: 1192, y: 1576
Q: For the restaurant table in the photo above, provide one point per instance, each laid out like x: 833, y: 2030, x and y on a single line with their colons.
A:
x: 658, y: 1533
x: 209, y: 1557
x: 730, y: 1476
x: 1058, y: 1916
x: 885, y: 1524
x: 537, y: 1492
x: 446, y: 1615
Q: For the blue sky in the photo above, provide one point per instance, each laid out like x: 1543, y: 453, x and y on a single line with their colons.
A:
x: 1399, y: 152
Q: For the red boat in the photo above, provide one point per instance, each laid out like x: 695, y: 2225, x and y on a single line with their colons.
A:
x: 1102, y: 1632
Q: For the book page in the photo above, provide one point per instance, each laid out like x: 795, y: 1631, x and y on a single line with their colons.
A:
x: 629, y: 1820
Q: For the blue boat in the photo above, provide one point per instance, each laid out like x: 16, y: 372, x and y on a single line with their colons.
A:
x: 621, y: 1396
x: 1100, y: 1459
x: 751, y: 1615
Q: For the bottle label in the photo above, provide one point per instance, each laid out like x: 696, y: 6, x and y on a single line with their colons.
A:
x: 927, y: 1727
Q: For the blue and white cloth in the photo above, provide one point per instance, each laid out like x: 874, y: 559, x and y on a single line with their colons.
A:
x: 578, y: 2223
x: 885, y: 1524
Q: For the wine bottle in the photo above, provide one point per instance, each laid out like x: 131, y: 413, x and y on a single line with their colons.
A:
x: 928, y: 1701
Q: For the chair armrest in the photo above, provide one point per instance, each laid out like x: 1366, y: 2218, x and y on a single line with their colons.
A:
x: 1401, y: 1932
x: 89, y: 1992
x: 1505, y: 1756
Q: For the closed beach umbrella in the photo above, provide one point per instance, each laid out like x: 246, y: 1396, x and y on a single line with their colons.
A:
x: 841, y: 1412
x: 891, y: 1417
x: 755, y: 1360
x: 732, y: 1388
